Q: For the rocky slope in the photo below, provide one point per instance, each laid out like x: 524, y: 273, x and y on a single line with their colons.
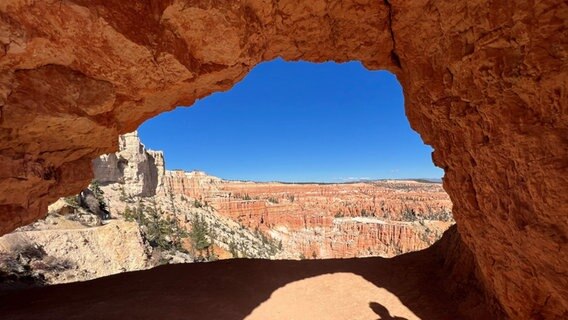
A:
x: 328, y: 220
x: 138, y: 182
x: 484, y: 83
x: 302, y: 220
x: 161, y: 210
x: 60, y: 250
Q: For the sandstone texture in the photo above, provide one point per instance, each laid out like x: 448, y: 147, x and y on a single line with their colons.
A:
x: 73, y: 251
x: 484, y: 82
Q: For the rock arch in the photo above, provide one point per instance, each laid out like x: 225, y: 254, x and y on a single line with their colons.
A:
x: 485, y: 84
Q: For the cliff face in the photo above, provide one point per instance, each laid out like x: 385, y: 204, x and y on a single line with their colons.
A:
x: 193, y: 184
x: 382, y: 218
x: 485, y: 84
x: 138, y: 183
x: 140, y: 171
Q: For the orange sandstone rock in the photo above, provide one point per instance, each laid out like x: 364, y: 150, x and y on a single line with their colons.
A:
x: 484, y: 82
x: 330, y: 220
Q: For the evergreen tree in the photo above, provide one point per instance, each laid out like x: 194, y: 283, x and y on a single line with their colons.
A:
x: 199, y: 234
x: 99, y: 195
x: 233, y: 249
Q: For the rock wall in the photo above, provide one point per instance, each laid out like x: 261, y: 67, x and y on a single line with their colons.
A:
x: 378, y: 218
x: 83, y: 253
x: 484, y: 82
x: 195, y: 184
x: 140, y: 171
x: 384, y: 218
x: 348, y: 238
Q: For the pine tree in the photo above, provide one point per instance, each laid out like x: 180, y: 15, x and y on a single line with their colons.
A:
x: 99, y: 195
x: 199, y: 234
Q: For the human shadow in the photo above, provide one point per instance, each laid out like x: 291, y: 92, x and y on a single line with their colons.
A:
x: 383, y: 312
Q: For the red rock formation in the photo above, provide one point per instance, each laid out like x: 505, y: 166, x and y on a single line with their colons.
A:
x: 485, y: 84
x: 317, y: 219
x: 195, y: 184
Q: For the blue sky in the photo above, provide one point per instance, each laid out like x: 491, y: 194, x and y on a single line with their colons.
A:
x: 296, y: 121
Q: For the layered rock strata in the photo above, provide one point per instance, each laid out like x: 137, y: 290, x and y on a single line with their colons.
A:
x: 372, y: 218
x: 140, y: 171
x: 382, y: 218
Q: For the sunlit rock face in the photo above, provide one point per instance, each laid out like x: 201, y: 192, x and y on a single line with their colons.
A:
x: 58, y: 250
x: 296, y: 220
x: 140, y: 171
x: 485, y: 84
x: 312, y: 220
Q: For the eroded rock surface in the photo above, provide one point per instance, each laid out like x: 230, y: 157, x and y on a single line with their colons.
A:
x: 137, y: 169
x: 383, y: 218
x: 276, y: 220
x: 60, y: 250
x: 484, y: 82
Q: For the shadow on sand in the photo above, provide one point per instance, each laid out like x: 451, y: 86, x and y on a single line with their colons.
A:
x: 228, y: 289
x: 383, y: 312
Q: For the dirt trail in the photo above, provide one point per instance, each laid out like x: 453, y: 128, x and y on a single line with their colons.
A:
x: 405, y: 287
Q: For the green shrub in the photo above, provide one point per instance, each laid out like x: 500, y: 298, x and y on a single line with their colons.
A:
x: 409, y: 215
x: 99, y: 195
x: 199, y: 234
x: 72, y: 200
x: 161, y: 233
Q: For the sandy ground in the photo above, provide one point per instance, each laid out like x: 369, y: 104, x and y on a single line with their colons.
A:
x: 404, y: 287
x: 337, y: 296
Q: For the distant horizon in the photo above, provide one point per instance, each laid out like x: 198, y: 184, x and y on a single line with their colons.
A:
x: 297, y: 122
x: 433, y: 180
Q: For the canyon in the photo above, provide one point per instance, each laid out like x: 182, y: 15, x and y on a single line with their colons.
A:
x: 373, y: 218
x: 485, y: 85
x: 242, y: 219
x: 307, y: 220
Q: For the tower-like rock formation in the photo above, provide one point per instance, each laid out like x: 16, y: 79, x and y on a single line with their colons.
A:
x: 140, y: 171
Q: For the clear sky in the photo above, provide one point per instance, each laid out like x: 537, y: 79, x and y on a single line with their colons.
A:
x: 296, y: 121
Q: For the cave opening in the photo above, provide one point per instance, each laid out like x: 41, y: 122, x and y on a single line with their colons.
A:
x: 314, y: 160
x: 296, y: 161
x: 484, y: 83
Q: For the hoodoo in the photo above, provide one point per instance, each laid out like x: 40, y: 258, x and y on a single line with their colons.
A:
x: 485, y: 84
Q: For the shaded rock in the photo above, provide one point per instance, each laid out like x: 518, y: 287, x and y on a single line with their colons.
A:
x: 484, y: 82
x: 89, y: 201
